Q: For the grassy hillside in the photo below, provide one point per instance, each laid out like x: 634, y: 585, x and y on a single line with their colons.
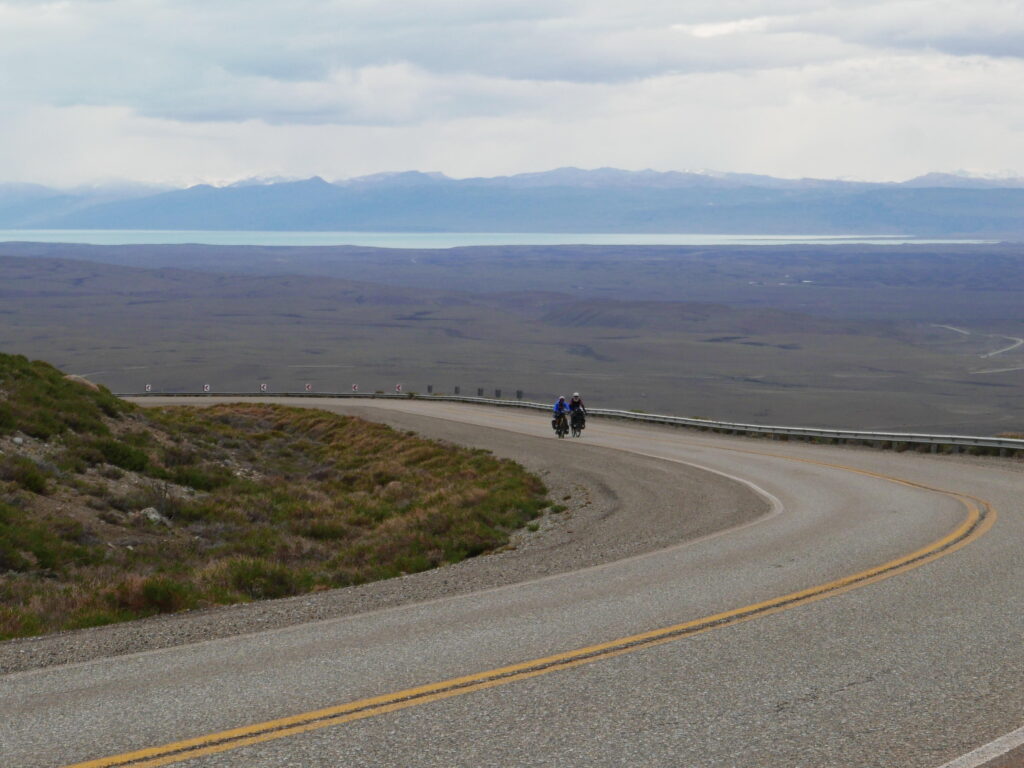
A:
x: 109, y: 513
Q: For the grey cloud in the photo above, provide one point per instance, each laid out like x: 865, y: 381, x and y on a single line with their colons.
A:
x: 391, y: 63
x: 980, y: 27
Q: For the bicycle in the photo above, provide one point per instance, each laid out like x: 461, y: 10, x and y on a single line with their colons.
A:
x: 579, y: 421
x: 561, y: 425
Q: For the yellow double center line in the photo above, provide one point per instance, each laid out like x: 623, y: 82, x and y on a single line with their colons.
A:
x: 980, y: 517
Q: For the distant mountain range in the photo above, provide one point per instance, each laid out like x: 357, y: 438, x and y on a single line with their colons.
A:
x: 562, y: 200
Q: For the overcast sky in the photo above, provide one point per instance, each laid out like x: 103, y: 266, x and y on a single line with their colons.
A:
x: 183, y: 91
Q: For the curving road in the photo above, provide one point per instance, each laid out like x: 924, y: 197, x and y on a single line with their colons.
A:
x: 869, y: 616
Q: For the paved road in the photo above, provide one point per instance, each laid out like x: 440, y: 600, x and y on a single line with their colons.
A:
x: 912, y: 667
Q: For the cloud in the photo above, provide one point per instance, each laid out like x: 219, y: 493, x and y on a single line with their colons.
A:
x: 162, y: 88
x: 983, y: 28
x: 836, y: 119
x: 353, y: 62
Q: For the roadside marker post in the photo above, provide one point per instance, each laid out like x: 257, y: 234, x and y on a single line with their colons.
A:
x: 497, y: 394
x: 430, y: 389
x: 355, y: 387
x: 398, y: 387
x: 479, y: 391
x: 206, y: 387
x: 458, y: 390
x: 309, y: 387
x: 263, y: 387
x: 149, y: 387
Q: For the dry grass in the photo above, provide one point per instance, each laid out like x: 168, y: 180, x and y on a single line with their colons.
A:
x: 261, y: 502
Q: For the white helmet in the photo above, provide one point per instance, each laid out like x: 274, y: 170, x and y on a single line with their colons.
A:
x: 575, y: 394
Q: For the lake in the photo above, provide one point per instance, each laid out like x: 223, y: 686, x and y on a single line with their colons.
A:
x: 435, y: 239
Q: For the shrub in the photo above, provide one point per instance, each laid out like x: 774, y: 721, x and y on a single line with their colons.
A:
x: 201, y: 478
x: 122, y: 455
x: 166, y: 595
x: 27, y: 544
x: 175, y: 456
x: 15, y: 622
x: 326, y: 530
x: 25, y: 473
x: 11, y: 559
x: 155, y: 594
x: 7, y: 422
x: 261, y: 580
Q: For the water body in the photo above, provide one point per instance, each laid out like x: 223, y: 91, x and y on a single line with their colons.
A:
x: 436, y: 239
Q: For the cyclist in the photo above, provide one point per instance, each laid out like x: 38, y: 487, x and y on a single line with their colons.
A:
x: 561, y: 410
x: 576, y: 404
x: 577, y: 414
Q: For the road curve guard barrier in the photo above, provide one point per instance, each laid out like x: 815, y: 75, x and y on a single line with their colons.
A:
x: 1003, y: 446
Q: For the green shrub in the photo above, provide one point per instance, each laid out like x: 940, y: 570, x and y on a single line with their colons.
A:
x: 7, y: 421
x: 11, y: 559
x: 25, y: 472
x: 122, y: 455
x: 175, y: 456
x: 201, y: 478
x: 165, y: 595
x: 262, y: 580
x: 16, y: 622
x: 28, y: 544
x: 326, y: 530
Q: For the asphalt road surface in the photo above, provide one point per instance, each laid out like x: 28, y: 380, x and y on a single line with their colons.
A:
x: 870, y: 617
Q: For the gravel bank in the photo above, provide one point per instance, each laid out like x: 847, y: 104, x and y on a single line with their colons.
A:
x: 617, y: 505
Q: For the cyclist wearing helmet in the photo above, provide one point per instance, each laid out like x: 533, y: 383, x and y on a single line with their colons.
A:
x: 576, y: 403
x: 561, y: 411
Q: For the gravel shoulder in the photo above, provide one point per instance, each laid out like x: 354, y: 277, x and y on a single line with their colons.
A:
x: 617, y: 505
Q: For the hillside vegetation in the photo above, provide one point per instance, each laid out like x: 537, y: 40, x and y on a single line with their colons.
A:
x: 109, y: 512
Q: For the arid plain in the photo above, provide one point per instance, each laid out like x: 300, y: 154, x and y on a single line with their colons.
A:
x: 911, y: 337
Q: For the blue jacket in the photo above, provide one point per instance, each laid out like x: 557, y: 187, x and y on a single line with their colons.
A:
x: 561, y: 407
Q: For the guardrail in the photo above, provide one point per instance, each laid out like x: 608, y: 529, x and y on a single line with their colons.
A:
x: 1004, y: 446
